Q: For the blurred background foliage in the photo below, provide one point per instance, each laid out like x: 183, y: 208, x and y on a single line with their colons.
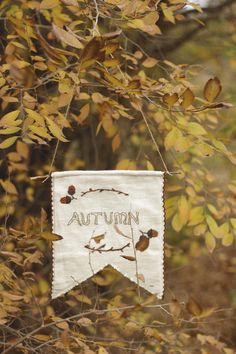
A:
x: 119, y: 85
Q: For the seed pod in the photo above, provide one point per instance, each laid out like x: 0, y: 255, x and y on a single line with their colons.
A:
x: 65, y: 200
x: 71, y: 190
x: 152, y: 233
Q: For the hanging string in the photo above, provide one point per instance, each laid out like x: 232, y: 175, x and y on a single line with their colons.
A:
x: 156, y: 146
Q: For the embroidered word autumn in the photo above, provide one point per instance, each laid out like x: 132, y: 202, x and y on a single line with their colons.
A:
x: 96, y: 218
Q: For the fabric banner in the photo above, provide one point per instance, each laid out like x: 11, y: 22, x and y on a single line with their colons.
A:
x: 108, y: 218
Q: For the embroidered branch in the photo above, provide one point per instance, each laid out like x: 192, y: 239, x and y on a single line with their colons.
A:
x: 103, y: 190
x: 101, y: 248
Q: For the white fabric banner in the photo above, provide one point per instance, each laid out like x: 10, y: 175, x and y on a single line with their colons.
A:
x: 108, y: 218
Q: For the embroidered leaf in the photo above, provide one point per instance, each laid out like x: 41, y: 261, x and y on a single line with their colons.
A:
x: 142, y: 244
x: 129, y: 258
x: 98, y: 238
x: 51, y: 236
x: 120, y: 232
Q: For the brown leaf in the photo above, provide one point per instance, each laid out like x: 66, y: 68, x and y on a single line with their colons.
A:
x: 142, y: 244
x: 175, y: 308
x: 129, y: 258
x: 152, y: 233
x: 91, y: 50
x: 98, y: 238
x: 212, y: 89
x: 193, y: 307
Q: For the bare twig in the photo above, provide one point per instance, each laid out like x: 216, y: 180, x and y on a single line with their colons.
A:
x: 103, y: 190
x: 101, y: 249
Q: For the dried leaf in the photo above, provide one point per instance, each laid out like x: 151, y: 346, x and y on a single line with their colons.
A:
x: 142, y: 244
x: 67, y: 37
x: 212, y: 89
x: 193, y: 307
x: 91, y: 50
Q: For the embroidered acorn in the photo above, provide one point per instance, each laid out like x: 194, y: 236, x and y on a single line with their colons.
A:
x: 65, y: 200
x: 152, y: 233
x: 142, y: 243
x: 71, y: 190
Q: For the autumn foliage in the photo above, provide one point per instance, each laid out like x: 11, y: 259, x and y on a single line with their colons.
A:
x: 95, y: 85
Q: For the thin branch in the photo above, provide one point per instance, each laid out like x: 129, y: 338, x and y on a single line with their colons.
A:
x: 103, y: 190
x: 58, y: 141
x: 101, y: 249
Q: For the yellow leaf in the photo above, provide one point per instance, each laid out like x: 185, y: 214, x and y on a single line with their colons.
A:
x: 227, y: 239
x: 168, y: 13
x: 212, y: 89
x: 55, y: 130
x: 9, y: 187
x: 9, y: 118
x: 183, y: 208
x: 171, y: 138
x: 67, y: 37
x: 210, y: 242
x: 169, y: 99
x: 187, y: 98
x: 214, y: 228
x: 196, y: 216
x: 10, y: 130
x: 84, y: 112
x: 48, y: 4
x: 116, y: 142
x: 102, y: 350
x: 233, y: 222
x: 126, y: 165
x: 40, y: 131
x: 36, y: 116
x: 8, y: 142
x: 41, y: 337
x: 196, y: 129
x: 111, y: 62
x: 177, y: 223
